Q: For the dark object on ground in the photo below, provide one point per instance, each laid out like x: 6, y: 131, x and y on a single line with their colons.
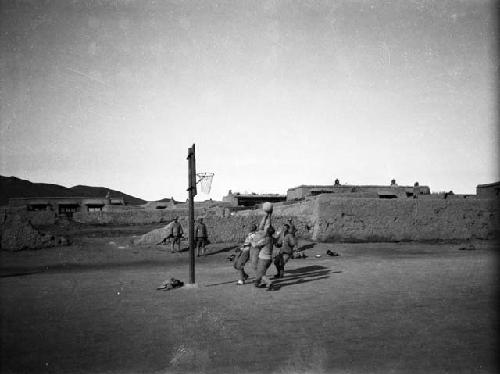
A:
x: 468, y: 247
x: 331, y: 253
x: 171, y: 284
x: 231, y: 257
x: 273, y: 287
x: 257, y: 284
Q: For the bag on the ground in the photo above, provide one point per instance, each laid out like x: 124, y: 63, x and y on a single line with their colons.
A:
x: 171, y: 284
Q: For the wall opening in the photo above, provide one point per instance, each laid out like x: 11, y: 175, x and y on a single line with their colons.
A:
x: 68, y: 209
x: 37, y: 207
x: 95, y: 207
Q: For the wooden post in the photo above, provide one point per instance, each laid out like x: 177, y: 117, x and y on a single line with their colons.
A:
x: 192, y: 193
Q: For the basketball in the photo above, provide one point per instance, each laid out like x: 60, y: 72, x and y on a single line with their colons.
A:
x: 268, y: 207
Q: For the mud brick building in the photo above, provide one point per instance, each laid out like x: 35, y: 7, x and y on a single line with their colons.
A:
x: 377, y: 191
x: 66, y: 206
x: 488, y: 191
x: 251, y: 200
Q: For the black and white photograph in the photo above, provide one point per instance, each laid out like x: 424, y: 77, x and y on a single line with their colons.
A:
x: 249, y: 186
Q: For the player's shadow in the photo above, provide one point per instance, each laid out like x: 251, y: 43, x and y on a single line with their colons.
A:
x: 209, y: 251
x: 307, y: 246
x: 303, y: 275
x: 292, y: 277
x: 19, y: 274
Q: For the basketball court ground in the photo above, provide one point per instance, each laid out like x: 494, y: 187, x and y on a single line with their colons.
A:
x: 376, y: 308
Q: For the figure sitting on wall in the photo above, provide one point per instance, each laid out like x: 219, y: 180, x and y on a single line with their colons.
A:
x: 416, y: 190
x: 446, y: 194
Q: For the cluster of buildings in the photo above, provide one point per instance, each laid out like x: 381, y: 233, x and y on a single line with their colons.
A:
x: 67, y: 206
x: 390, y: 191
x: 304, y: 191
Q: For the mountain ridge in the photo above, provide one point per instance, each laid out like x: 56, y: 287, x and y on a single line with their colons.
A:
x: 12, y: 187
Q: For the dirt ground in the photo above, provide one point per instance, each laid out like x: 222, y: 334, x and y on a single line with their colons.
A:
x: 93, y: 307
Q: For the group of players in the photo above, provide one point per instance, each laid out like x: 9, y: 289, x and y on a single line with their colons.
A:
x: 258, y: 249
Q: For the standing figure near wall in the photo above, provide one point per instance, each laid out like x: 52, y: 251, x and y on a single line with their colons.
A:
x: 200, y: 233
x: 176, y: 233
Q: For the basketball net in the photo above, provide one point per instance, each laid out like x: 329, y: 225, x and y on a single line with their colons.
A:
x: 205, y: 182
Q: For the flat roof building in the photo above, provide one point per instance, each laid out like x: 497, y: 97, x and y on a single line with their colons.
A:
x: 378, y: 191
x: 251, y: 200
x: 488, y: 191
x: 65, y: 205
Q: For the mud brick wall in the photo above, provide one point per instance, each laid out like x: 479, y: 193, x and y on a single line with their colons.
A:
x: 37, y: 218
x: 306, y: 208
x: 232, y: 229
x: 157, y: 235
x: 236, y: 228
x: 131, y: 216
x: 404, y: 219
x: 327, y: 218
x: 42, y: 217
x: 17, y: 233
x: 220, y: 230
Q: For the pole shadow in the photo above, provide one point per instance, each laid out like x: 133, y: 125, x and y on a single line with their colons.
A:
x: 221, y: 250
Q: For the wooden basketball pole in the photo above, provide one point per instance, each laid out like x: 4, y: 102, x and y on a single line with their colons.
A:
x: 192, y: 193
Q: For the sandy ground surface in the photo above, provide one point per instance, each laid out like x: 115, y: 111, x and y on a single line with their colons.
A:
x: 93, y: 307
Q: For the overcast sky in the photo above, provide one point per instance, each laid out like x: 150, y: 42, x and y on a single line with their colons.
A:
x: 274, y: 93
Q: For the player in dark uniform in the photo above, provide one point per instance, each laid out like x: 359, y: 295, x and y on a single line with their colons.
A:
x: 200, y: 233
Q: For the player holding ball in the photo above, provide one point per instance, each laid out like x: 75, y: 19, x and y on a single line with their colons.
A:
x: 266, y: 252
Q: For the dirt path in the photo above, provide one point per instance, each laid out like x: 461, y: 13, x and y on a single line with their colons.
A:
x: 377, y: 308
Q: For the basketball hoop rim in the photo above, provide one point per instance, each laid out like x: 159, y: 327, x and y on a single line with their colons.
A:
x: 205, y: 181
x: 204, y: 175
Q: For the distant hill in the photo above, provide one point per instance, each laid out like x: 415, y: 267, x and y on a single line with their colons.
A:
x: 15, y: 187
